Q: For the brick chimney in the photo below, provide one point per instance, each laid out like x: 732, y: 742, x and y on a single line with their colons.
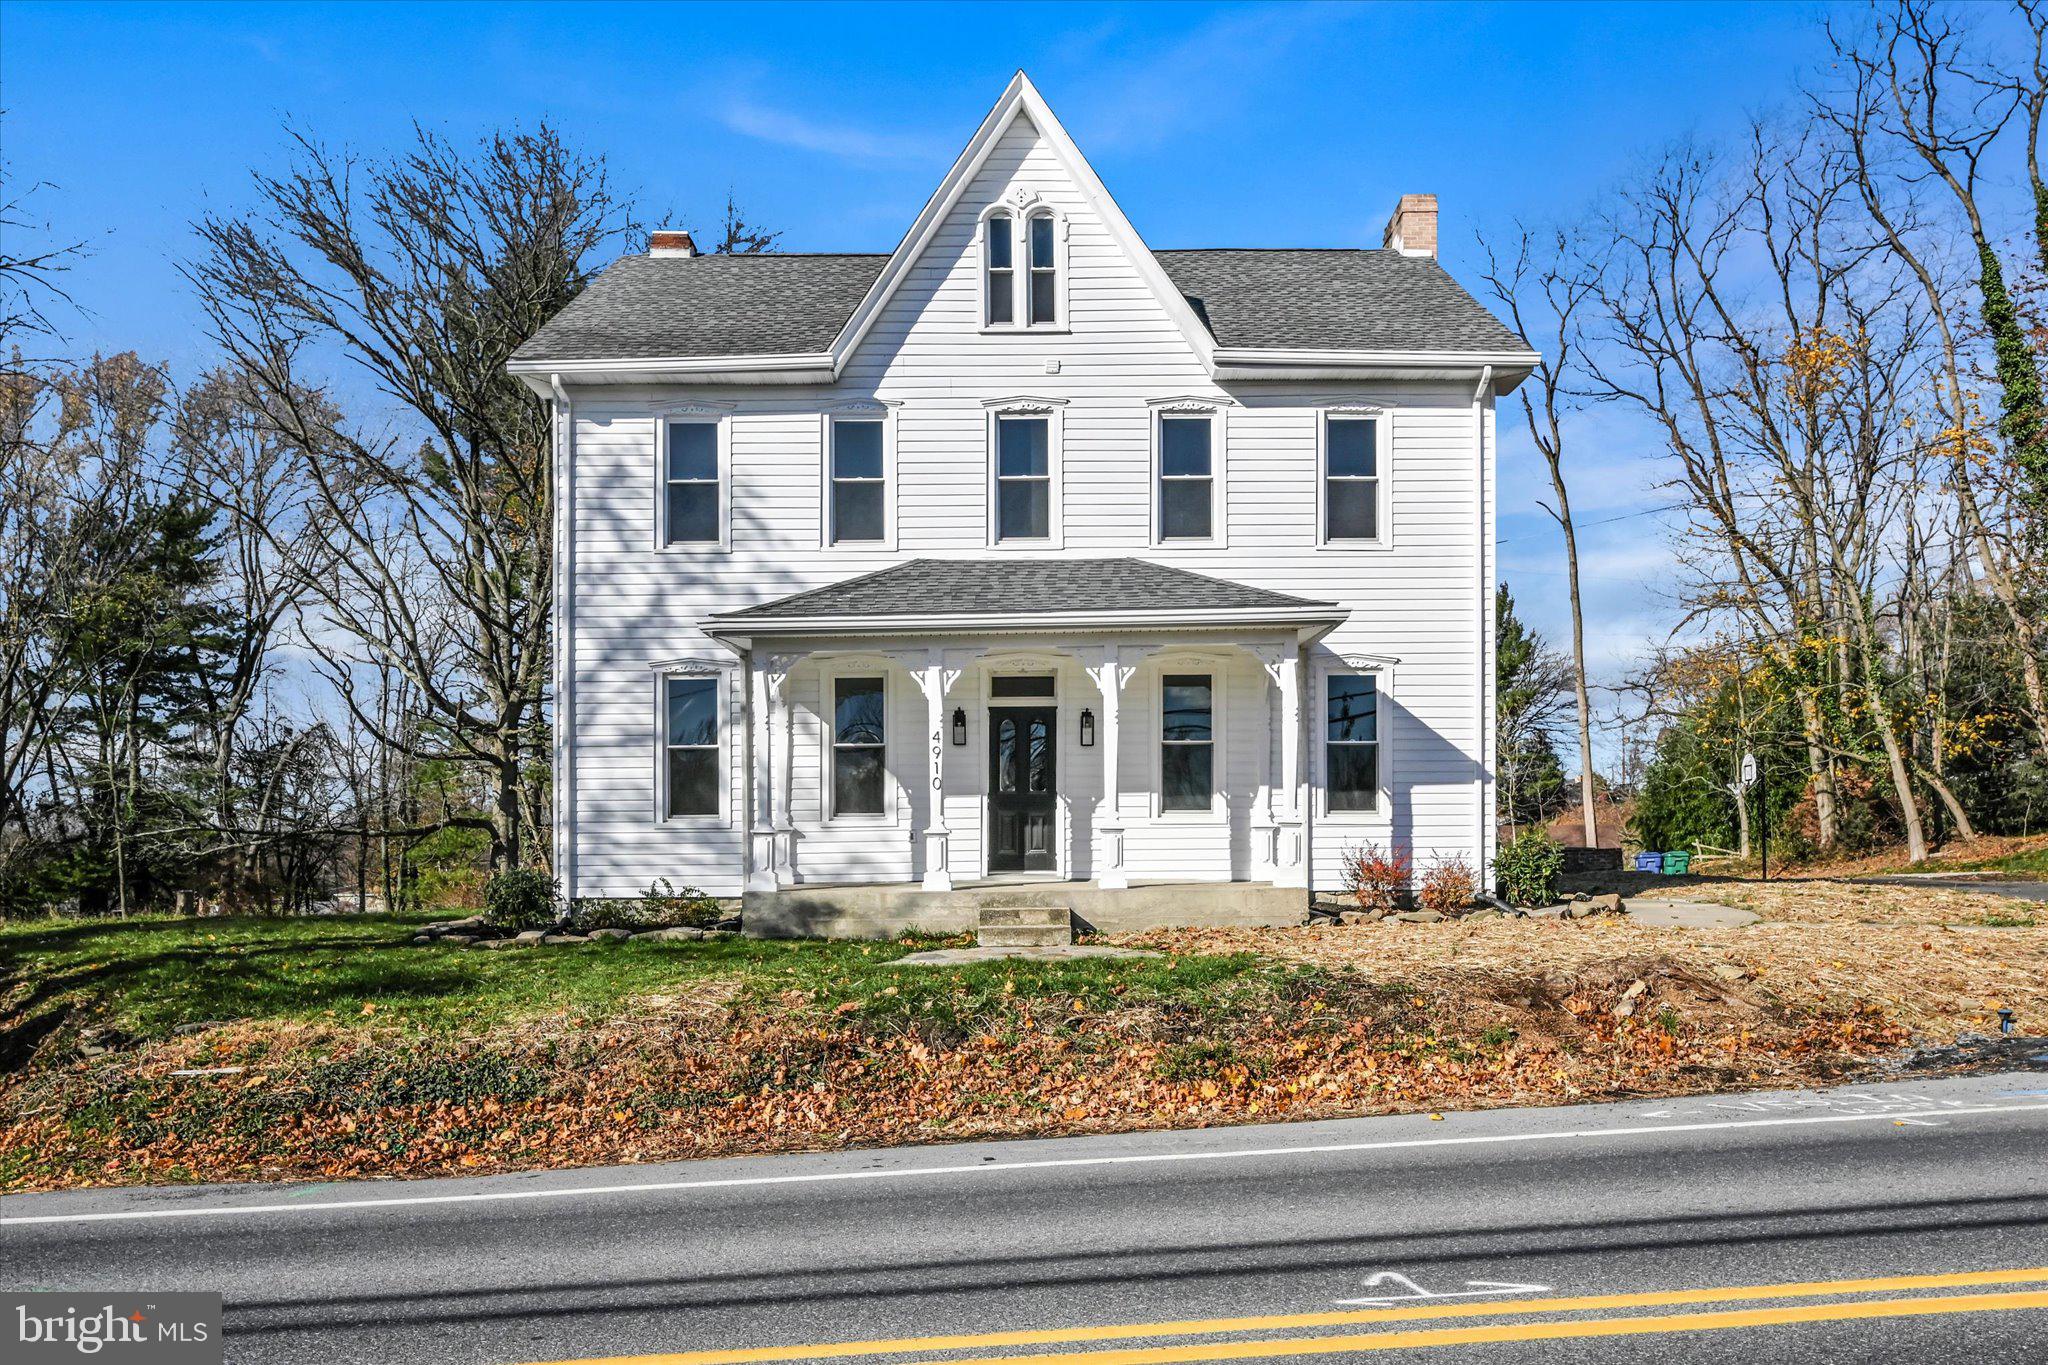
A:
x: 1412, y: 229
x: 676, y: 242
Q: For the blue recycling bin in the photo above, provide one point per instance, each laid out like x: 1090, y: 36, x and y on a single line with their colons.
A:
x: 1649, y: 862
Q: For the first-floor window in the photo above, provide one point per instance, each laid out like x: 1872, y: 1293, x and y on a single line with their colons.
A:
x: 1351, y: 479
x: 690, y: 514
x: 1351, y: 743
x: 860, y: 510
x: 1023, y: 478
x: 858, y: 734
x: 1187, y: 479
x: 1187, y: 742
x: 691, y: 739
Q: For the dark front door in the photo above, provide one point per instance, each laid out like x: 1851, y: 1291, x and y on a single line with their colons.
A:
x: 1023, y: 782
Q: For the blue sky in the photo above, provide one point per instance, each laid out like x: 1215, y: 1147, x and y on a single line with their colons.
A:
x: 1213, y: 125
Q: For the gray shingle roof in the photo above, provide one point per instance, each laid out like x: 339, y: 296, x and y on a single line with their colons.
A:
x: 1333, y: 300
x: 662, y: 307
x: 927, y: 587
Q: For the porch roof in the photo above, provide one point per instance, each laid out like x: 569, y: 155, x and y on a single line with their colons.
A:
x: 937, y: 596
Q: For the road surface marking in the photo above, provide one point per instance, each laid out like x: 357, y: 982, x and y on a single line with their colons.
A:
x: 990, y: 1167
x: 1474, y: 1289
x: 1535, y: 1331
x: 1051, y: 1336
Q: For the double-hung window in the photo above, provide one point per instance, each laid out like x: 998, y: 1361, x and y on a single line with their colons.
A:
x: 1351, y: 741
x: 690, y: 746
x: 1187, y: 478
x: 859, y: 734
x: 1023, y: 494
x: 999, y: 286
x: 1045, y: 306
x: 1352, y: 494
x: 691, y: 493
x: 859, y: 510
x: 1187, y: 742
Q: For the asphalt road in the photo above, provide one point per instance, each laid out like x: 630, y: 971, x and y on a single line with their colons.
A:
x: 1784, y: 1226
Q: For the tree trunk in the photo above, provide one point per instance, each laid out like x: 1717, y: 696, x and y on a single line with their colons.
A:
x: 1821, y: 767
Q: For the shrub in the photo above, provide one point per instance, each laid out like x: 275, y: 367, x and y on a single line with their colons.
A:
x: 1376, y: 877
x: 663, y: 907
x: 1449, y: 886
x: 520, y: 899
x: 1527, y: 868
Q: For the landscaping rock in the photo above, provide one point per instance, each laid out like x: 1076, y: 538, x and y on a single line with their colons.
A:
x: 1607, y: 903
x: 529, y: 936
x: 1419, y: 917
x: 1355, y: 917
x: 610, y: 935
x: 1626, y: 1006
x: 565, y: 938
x: 1728, y: 971
x: 676, y: 934
x: 424, y: 938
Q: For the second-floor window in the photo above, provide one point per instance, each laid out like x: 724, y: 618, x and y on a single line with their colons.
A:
x: 691, y: 498
x: 1187, y: 478
x: 859, y: 513
x: 1353, y: 506
x: 999, y: 245
x: 1023, y: 478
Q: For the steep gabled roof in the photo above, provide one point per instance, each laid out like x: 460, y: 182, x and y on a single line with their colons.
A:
x: 1020, y: 99
x: 1243, y: 312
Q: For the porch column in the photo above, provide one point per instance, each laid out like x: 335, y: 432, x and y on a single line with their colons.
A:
x: 782, y: 751
x: 938, y: 864
x: 761, y: 836
x: 1265, y: 829
x: 1291, y: 864
x: 1111, y: 875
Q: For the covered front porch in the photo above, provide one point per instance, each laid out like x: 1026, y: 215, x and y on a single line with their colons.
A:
x: 925, y: 739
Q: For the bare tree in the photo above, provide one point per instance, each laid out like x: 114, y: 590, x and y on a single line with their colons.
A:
x: 1550, y: 281
x: 425, y: 272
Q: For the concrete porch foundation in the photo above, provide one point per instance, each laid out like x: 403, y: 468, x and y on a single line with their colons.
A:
x: 882, y: 911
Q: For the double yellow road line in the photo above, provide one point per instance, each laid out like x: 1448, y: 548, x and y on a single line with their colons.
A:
x: 1853, y: 1308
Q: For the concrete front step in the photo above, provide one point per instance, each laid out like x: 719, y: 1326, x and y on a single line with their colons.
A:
x: 1023, y: 914
x: 1025, y: 935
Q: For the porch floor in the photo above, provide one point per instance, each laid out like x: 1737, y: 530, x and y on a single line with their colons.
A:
x: 883, y: 910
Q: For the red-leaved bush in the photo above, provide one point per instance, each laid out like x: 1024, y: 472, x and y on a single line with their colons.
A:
x: 1449, y: 886
x: 1376, y: 876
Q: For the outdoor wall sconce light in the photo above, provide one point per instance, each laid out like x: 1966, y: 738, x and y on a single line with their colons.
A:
x: 1087, y: 728
x: 959, y: 725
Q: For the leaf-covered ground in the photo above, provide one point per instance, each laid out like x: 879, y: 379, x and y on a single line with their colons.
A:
x: 253, y: 1049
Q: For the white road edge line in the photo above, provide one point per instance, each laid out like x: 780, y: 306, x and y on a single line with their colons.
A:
x: 994, y: 1168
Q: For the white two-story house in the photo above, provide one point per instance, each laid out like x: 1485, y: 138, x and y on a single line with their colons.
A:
x: 1157, y: 578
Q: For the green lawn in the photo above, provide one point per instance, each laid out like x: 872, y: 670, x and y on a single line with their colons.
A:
x: 147, y: 976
